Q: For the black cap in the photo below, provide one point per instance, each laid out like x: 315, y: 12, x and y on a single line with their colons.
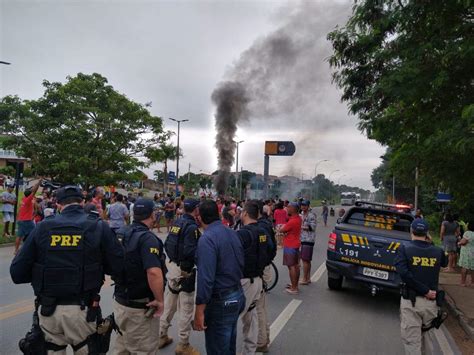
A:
x: 420, y: 227
x: 191, y: 203
x: 68, y: 192
x: 143, y: 207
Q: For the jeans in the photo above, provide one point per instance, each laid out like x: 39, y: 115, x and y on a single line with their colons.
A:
x: 221, y: 316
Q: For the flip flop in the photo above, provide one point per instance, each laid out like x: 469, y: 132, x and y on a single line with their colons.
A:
x: 292, y: 292
x: 305, y: 282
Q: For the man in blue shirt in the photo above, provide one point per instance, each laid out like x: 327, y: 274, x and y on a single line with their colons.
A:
x: 219, y: 296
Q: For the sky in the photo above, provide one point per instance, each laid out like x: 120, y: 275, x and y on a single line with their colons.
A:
x: 174, y: 54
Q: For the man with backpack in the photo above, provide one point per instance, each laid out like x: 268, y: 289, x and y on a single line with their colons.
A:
x: 138, y: 296
x: 263, y: 325
x: 181, y: 245
x: 257, y: 252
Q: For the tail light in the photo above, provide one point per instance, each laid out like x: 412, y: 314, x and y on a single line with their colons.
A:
x: 332, y: 241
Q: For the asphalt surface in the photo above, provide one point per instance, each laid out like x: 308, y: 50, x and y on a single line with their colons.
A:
x: 317, y: 321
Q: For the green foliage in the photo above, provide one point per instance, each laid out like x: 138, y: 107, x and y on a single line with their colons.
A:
x: 405, y: 68
x: 82, y: 131
x: 7, y: 170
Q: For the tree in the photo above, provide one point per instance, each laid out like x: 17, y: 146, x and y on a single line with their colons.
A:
x: 161, y: 154
x: 82, y: 131
x: 405, y: 68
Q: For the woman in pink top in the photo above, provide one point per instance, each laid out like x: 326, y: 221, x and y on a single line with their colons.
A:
x: 281, y: 217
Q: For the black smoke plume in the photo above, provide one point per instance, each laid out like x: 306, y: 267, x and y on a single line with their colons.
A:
x: 283, y: 77
x: 231, y: 100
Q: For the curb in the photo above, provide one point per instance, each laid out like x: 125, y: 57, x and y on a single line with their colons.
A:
x: 4, y: 245
x: 462, y: 319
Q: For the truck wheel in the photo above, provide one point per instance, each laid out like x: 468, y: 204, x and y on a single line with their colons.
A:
x: 335, y: 283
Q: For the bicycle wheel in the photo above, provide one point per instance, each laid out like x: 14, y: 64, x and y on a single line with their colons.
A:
x: 274, y: 279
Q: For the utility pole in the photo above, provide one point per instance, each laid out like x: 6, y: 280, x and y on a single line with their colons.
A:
x: 177, y: 152
x: 240, y: 189
x: 237, y: 163
x: 189, y: 172
x: 315, y: 175
x: 393, y: 189
x: 417, y: 173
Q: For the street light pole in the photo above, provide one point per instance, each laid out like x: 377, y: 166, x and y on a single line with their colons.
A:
x: 237, y: 164
x: 177, y: 152
x: 339, y: 180
x: 315, y: 175
x: 332, y: 172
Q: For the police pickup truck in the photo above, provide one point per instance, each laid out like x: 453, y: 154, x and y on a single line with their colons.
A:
x: 364, y: 243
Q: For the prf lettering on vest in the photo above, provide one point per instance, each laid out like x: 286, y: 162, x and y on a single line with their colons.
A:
x: 422, y: 261
x: 65, y: 240
x: 175, y: 229
x: 154, y: 251
x: 263, y: 238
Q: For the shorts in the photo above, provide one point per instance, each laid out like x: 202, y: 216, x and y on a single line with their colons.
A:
x: 24, y: 228
x: 307, y: 251
x: 291, y: 256
x: 169, y: 215
x: 450, y: 243
x: 7, y: 216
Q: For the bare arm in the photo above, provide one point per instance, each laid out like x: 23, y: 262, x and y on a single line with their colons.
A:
x: 155, y: 281
x: 442, y: 231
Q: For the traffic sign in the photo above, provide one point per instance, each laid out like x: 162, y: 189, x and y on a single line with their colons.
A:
x: 282, y: 148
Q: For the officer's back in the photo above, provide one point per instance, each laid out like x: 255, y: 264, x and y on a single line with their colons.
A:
x: 418, y: 262
x: 65, y: 259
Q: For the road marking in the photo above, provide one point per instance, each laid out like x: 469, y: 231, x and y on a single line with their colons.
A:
x: 283, y: 318
x: 318, y: 273
x: 17, y: 311
x: 443, y: 341
x: 25, y: 306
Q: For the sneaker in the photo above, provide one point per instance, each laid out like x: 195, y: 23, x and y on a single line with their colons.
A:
x: 186, y: 349
x: 165, y: 340
x: 262, y: 349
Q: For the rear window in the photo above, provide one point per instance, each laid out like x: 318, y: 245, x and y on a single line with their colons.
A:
x: 380, y: 220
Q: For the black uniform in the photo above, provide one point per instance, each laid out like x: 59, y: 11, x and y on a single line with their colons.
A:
x: 256, y: 249
x: 181, y: 243
x: 65, y: 259
x: 143, y: 250
x: 418, y: 263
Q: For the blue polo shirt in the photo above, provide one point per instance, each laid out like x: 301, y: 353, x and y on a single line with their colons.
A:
x: 219, y: 260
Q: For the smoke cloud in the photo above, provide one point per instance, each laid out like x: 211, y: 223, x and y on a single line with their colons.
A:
x: 283, y: 77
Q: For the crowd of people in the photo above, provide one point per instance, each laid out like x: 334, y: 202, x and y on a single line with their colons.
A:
x: 215, y: 263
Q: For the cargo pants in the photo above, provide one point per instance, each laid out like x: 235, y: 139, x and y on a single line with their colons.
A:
x: 139, y: 333
x: 412, y: 318
x: 252, y: 292
x: 263, y: 325
x: 67, y: 326
x: 183, y: 303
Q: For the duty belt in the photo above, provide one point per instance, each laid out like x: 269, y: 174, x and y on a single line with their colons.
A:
x: 130, y: 303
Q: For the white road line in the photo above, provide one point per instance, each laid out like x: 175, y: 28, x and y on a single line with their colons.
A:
x: 283, y: 318
x: 443, y: 341
x: 318, y: 273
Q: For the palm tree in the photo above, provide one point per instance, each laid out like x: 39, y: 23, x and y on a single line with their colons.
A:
x: 164, y: 152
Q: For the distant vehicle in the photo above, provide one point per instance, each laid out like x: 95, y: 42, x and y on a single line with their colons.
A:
x: 364, y: 243
x: 348, y: 198
x: 358, y: 197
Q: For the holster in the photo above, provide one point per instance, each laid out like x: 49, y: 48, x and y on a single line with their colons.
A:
x: 188, y: 284
x: 33, y: 343
x: 407, y: 293
x: 48, y: 306
x: 440, y: 296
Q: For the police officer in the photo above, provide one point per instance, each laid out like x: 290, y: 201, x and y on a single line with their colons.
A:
x: 180, y: 246
x: 256, y: 254
x: 138, y: 293
x: 65, y: 259
x: 263, y: 339
x: 219, y: 296
x: 418, y: 263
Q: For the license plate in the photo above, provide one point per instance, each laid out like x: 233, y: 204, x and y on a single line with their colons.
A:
x: 378, y: 274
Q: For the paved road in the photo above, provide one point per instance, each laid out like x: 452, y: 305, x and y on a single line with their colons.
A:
x: 317, y: 321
